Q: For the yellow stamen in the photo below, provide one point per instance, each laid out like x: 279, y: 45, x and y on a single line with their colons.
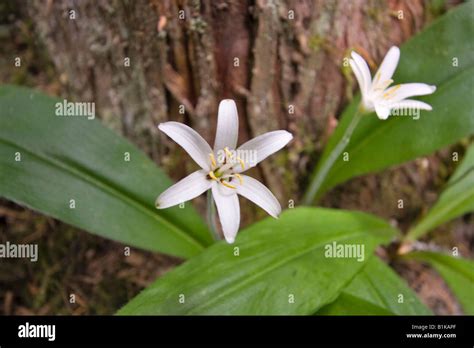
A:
x: 377, y: 76
x: 213, y: 176
x: 228, y: 153
x: 242, y: 164
x: 213, y: 159
x: 388, y: 94
x: 226, y: 184
x: 238, y: 176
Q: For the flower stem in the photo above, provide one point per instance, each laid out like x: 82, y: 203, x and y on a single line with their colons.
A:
x: 211, y: 216
x: 318, y: 180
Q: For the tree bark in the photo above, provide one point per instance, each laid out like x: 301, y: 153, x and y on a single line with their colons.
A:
x: 280, y: 60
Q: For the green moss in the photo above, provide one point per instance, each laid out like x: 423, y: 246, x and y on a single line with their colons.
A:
x: 346, y: 71
x: 198, y: 25
x: 372, y: 12
x: 436, y: 7
x: 317, y: 42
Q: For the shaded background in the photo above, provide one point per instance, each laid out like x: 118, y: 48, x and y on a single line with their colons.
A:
x: 192, y: 62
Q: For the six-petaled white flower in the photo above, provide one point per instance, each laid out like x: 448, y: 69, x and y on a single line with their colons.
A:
x: 378, y: 96
x: 222, y: 168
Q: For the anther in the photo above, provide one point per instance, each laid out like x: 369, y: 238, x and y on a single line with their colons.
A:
x: 377, y: 76
x: 226, y: 184
x: 227, y: 152
x: 213, y: 176
x: 238, y: 176
x: 213, y: 159
x: 242, y: 164
x: 391, y: 91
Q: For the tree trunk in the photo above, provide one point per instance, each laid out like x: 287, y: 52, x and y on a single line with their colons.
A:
x: 280, y: 60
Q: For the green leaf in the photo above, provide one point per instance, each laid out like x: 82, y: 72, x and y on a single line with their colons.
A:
x: 64, y: 158
x: 457, y: 272
x: 428, y: 58
x: 456, y: 200
x: 376, y: 290
x: 271, y: 262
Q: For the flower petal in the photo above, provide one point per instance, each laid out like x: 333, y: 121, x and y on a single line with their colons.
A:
x: 359, y: 77
x: 227, y: 204
x: 258, y: 193
x: 227, y: 125
x: 190, y: 141
x: 363, y: 71
x: 382, y: 111
x: 257, y: 149
x: 388, y: 66
x: 184, y: 190
x: 399, y: 92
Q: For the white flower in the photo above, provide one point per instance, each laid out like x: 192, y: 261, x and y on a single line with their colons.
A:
x: 376, y: 94
x: 222, y: 168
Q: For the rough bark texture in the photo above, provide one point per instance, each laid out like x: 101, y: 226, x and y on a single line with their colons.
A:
x: 281, y: 61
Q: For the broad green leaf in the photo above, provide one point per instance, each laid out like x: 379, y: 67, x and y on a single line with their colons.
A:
x: 272, y: 263
x: 441, y: 55
x: 457, y: 272
x: 456, y: 200
x: 47, y: 160
x: 376, y: 290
